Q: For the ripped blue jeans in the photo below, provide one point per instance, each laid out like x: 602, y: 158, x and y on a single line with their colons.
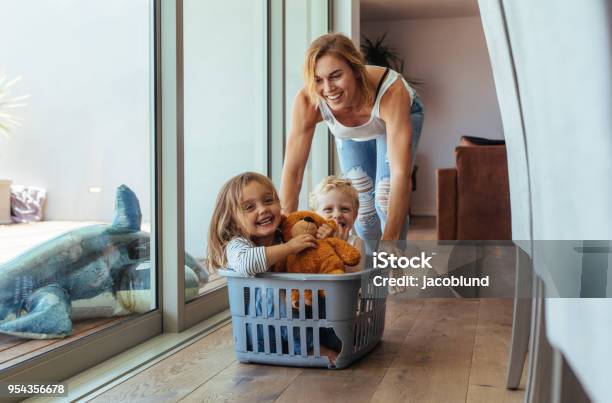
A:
x: 367, y: 165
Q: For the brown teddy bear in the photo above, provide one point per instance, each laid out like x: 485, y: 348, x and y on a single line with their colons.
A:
x: 328, y: 258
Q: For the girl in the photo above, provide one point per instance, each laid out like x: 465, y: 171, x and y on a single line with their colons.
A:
x: 243, y: 233
x: 244, y: 236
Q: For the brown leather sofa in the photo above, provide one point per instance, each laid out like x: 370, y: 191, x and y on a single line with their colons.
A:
x: 473, y: 199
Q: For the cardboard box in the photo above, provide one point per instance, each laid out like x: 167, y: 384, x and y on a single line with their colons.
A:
x: 5, y: 201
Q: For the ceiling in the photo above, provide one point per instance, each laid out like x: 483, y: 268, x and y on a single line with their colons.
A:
x: 373, y: 10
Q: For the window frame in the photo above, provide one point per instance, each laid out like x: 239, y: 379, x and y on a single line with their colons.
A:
x: 215, y: 300
x: 65, y: 361
x: 172, y: 314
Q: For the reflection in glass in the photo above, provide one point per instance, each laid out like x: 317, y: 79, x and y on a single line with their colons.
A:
x: 78, y: 265
x: 305, y: 21
x: 224, y: 106
x: 95, y: 271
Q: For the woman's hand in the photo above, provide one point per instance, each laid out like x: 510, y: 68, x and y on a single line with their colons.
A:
x: 393, y: 248
x: 301, y: 242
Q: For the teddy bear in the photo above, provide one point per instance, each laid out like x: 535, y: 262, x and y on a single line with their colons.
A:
x: 329, y: 257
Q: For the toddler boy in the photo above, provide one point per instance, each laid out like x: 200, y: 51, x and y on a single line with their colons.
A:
x: 335, y: 198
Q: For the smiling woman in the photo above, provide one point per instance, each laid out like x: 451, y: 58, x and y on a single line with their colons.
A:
x: 376, y: 118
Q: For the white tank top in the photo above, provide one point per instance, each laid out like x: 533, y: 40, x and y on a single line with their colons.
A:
x: 372, y: 128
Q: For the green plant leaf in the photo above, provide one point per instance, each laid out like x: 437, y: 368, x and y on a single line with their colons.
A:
x: 376, y: 52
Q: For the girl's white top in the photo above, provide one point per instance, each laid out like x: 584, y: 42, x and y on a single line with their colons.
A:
x: 245, y: 257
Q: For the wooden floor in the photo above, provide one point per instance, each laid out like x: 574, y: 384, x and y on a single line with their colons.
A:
x: 14, y: 350
x: 422, y: 228
x: 433, y: 350
x: 441, y: 350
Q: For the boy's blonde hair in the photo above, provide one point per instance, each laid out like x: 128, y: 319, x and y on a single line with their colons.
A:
x: 330, y: 183
x: 342, y: 47
x: 228, y: 219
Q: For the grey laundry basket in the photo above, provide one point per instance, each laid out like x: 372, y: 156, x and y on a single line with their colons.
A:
x: 353, y: 307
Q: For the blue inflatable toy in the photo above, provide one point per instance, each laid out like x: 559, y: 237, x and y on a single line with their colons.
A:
x: 94, y: 271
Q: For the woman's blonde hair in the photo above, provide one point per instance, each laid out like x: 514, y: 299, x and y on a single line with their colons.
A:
x: 334, y: 183
x: 228, y: 219
x: 343, y: 48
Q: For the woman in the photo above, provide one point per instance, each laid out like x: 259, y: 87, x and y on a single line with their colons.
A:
x: 376, y: 118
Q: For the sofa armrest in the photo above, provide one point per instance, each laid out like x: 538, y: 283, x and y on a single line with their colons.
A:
x: 483, y: 195
x: 446, y: 203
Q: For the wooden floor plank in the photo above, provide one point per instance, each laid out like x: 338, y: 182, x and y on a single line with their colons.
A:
x: 488, y: 394
x: 433, y: 363
x: 7, y: 342
x: 180, y: 374
x: 444, y: 329
x: 422, y: 228
x: 489, y: 362
x: 28, y: 348
x: 355, y: 384
x: 245, y: 383
x: 490, y: 358
x: 396, y: 331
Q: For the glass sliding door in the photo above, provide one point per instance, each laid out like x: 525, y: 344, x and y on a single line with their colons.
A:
x: 305, y: 20
x: 225, y: 109
x: 77, y: 259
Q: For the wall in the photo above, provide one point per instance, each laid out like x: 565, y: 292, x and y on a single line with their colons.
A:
x: 450, y: 56
x: 86, y: 66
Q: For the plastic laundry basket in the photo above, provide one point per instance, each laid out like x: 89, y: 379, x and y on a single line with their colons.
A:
x: 353, y: 307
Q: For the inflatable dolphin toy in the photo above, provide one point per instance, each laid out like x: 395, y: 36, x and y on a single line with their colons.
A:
x: 95, y: 271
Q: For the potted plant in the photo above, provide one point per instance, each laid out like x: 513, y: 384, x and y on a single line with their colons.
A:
x: 379, y: 53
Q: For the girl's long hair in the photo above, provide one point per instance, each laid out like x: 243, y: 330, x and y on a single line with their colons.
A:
x: 227, y: 220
